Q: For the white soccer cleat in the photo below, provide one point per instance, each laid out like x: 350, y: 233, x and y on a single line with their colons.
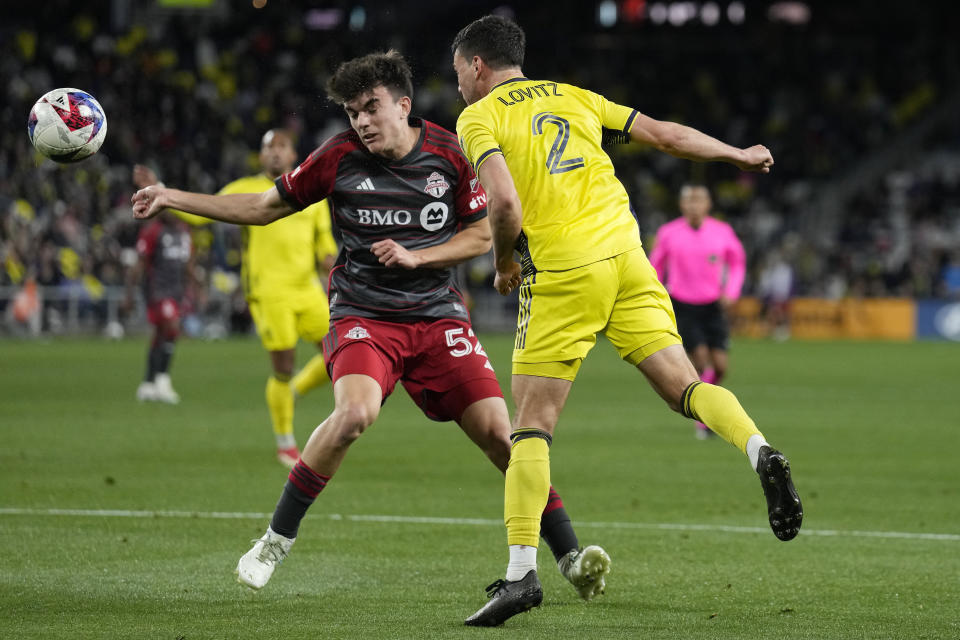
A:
x: 585, y: 569
x: 257, y: 565
x: 163, y: 390
x: 146, y: 392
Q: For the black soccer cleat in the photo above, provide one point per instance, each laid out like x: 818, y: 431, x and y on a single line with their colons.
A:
x: 783, y: 503
x: 507, y: 599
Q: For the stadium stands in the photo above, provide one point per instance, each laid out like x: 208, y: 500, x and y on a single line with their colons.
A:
x: 190, y: 92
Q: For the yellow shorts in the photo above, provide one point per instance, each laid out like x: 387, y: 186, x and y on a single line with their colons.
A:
x: 281, y: 321
x: 562, y: 311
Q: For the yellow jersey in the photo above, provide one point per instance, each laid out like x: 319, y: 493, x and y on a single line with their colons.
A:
x: 575, y: 210
x: 280, y: 258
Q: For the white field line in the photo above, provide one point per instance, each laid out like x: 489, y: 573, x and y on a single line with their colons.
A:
x: 666, y: 526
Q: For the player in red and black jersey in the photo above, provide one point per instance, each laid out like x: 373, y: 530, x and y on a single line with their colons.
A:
x: 165, y: 261
x: 408, y: 207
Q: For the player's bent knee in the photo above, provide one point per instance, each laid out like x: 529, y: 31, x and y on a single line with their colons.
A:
x: 675, y: 395
x: 495, y: 444
x: 353, y: 420
x: 346, y: 434
x: 498, y: 450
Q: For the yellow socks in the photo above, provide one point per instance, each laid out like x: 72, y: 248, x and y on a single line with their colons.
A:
x: 313, y: 374
x: 721, y: 411
x: 280, y: 404
x: 527, y: 486
x: 279, y: 394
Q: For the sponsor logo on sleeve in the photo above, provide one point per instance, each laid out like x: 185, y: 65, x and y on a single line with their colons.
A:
x: 478, y: 201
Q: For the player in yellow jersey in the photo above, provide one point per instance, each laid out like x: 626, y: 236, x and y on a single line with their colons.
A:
x: 553, y: 198
x: 282, y: 286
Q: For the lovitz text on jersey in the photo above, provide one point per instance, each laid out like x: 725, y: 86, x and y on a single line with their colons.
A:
x: 541, y: 90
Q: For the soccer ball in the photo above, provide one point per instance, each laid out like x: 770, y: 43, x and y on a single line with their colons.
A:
x: 67, y: 125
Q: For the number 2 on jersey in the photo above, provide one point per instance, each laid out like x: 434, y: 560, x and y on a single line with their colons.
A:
x: 555, y: 162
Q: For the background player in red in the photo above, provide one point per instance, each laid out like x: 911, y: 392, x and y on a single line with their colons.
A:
x: 701, y: 262
x: 165, y: 262
x: 409, y: 207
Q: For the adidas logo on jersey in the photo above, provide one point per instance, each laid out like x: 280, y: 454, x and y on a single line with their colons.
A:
x: 366, y: 185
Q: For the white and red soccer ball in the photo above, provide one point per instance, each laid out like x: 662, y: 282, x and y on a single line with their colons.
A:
x: 67, y: 125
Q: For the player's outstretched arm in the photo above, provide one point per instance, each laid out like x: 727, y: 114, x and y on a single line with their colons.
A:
x: 470, y: 242
x: 144, y: 176
x: 506, y: 216
x: 686, y: 142
x: 238, y: 208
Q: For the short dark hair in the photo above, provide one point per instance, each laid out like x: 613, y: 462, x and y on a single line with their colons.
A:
x: 368, y: 72
x: 498, y: 41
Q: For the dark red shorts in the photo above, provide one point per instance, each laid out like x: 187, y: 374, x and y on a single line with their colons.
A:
x: 440, y: 363
x: 163, y: 311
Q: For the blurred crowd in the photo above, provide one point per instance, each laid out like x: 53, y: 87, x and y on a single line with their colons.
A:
x: 190, y: 93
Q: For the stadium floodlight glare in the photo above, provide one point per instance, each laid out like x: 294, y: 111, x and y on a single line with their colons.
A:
x: 358, y: 18
x: 710, y: 13
x: 789, y: 12
x: 736, y: 12
x: 607, y: 13
x: 323, y: 19
x: 658, y: 13
x: 682, y: 12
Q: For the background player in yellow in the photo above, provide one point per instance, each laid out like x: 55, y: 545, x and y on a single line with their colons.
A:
x: 282, y: 286
x: 553, y: 197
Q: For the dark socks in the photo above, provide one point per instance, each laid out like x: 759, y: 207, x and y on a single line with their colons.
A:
x: 159, y: 357
x: 303, y: 486
x: 166, y: 355
x: 555, y: 527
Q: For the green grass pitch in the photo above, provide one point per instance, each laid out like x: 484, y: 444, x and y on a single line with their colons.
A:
x: 125, y: 520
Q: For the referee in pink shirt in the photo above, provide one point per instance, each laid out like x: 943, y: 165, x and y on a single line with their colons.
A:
x: 702, y: 263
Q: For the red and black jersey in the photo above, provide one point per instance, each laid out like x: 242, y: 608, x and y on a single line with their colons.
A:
x: 420, y: 200
x: 165, y: 249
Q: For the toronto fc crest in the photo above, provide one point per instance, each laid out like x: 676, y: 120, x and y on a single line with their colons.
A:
x: 436, y: 185
x: 358, y: 333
